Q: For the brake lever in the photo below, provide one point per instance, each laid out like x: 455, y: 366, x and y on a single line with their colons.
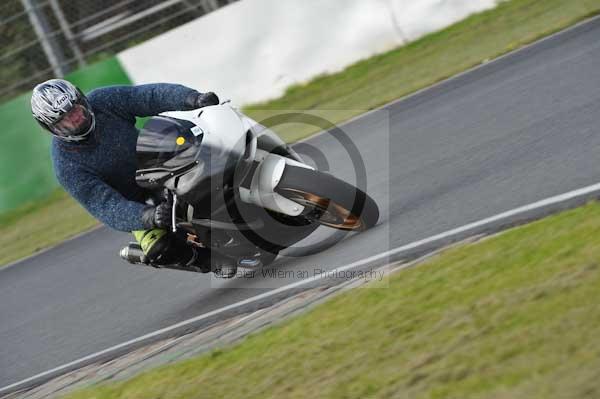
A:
x: 169, y: 195
x: 173, y: 221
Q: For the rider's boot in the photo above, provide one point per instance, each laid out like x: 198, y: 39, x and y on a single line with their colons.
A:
x: 153, y: 243
x: 158, y: 248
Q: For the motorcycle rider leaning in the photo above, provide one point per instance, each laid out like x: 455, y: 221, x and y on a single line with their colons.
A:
x: 94, y: 158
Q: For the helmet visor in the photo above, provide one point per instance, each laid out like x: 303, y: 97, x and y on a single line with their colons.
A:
x: 75, y: 123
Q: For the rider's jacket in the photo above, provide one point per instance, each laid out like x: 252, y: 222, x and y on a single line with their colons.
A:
x: 100, y: 172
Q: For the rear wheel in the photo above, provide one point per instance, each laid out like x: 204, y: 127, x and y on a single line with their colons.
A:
x: 328, y: 200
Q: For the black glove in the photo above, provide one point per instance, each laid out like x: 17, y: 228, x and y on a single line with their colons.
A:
x: 158, y: 216
x: 206, y: 99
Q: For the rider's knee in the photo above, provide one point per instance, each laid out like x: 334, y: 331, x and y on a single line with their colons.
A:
x: 162, y: 248
x: 155, y: 244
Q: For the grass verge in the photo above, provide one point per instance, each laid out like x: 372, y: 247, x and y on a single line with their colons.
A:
x: 41, y: 224
x: 362, y: 86
x: 514, y: 316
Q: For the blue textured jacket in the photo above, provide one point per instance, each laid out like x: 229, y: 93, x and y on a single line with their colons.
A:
x: 100, y: 172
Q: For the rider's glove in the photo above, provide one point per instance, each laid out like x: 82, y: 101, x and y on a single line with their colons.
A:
x: 158, y: 216
x: 206, y: 99
x: 198, y: 100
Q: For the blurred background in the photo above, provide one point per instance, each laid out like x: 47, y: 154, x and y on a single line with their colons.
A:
x: 249, y: 51
x: 42, y: 39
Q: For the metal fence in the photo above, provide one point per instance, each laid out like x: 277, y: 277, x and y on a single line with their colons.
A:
x: 41, y: 39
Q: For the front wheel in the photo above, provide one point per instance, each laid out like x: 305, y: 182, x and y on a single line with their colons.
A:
x: 328, y: 200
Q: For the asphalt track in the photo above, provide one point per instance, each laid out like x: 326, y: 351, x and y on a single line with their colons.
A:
x: 512, y: 132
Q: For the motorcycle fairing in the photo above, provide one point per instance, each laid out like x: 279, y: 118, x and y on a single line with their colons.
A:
x: 166, y: 147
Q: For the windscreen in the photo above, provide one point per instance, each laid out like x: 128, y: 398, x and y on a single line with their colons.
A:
x: 167, y: 143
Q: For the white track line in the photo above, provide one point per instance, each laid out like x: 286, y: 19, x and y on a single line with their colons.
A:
x: 471, y: 226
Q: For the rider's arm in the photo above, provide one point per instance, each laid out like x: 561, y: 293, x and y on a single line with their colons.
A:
x: 103, y: 202
x: 147, y: 99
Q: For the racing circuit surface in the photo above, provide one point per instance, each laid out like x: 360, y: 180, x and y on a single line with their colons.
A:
x: 512, y: 132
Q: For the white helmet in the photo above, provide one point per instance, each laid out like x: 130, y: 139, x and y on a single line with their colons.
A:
x: 62, y: 109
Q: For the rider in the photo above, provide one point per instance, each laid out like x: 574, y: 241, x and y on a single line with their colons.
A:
x: 94, y: 157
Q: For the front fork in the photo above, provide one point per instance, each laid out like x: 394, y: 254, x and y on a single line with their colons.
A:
x: 264, y: 181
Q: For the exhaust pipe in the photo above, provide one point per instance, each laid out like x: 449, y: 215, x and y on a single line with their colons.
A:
x: 133, y: 253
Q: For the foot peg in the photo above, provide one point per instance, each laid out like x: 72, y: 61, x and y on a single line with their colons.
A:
x: 228, y: 269
x: 249, y: 262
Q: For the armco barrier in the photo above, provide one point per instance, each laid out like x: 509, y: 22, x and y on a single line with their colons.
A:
x: 25, y: 168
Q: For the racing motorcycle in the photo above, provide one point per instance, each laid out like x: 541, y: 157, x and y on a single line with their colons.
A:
x: 237, y: 188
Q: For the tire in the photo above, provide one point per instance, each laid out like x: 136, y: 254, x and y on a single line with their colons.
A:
x: 340, y: 205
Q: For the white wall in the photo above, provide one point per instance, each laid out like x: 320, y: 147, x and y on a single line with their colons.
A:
x: 253, y: 49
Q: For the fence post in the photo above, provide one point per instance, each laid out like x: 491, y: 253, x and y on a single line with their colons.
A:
x: 64, y: 26
x: 49, y: 45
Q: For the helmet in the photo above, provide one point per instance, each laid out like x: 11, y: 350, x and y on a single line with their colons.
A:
x: 62, y: 109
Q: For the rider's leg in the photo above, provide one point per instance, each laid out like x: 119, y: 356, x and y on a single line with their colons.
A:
x: 152, y: 242
x: 162, y: 248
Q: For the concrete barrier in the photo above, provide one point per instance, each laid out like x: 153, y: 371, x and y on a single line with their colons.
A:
x: 253, y: 50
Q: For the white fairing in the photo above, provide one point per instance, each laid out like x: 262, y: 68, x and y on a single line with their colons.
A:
x: 262, y: 189
x: 225, y: 130
x: 221, y: 125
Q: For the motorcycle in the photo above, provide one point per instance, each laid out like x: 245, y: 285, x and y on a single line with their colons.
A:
x: 238, y: 189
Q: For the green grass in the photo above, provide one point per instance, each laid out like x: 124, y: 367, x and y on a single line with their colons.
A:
x: 41, y: 224
x: 514, y: 316
x: 366, y: 85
